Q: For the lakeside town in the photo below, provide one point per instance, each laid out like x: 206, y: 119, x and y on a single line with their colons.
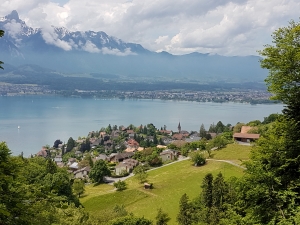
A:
x: 123, y: 148
x: 245, y: 95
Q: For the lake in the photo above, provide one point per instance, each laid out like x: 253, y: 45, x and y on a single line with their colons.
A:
x: 29, y: 122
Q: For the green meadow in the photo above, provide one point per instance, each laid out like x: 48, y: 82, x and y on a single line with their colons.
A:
x: 170, y: 183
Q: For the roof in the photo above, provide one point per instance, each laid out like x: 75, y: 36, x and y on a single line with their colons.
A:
x: 87, y: 168
x: 250, y: 136
x: 245, y: 129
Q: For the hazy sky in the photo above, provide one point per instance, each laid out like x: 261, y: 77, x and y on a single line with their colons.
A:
x: 237, y: 27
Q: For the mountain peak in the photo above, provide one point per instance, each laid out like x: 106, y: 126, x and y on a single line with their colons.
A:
x: 13, y: 16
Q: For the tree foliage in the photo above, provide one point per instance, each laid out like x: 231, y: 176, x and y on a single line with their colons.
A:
x: 197, y: 158
x: 99, y: 171
x: 78, y: 187
x: 140, y: 173
x: 162, y: 218
x: 120, y: 185
x: 184, y: 216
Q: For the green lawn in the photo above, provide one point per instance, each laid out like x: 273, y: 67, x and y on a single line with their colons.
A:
x: 170, y: 183
x: 233, y: 152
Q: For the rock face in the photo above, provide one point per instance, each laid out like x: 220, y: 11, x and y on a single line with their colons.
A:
x: 96, y: 52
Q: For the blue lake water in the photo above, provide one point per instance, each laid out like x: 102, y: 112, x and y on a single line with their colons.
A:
x: 43, y: 119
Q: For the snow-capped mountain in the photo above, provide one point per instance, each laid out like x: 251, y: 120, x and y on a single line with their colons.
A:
x: 19, y: 38
x: 88, y: 52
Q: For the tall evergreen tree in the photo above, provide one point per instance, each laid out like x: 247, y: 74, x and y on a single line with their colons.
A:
x: 219, y: 191
x: 184, y: 216
x: 202, y: 132
x: 207, y: 190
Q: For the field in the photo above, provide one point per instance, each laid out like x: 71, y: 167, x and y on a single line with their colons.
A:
x: 170, y: 183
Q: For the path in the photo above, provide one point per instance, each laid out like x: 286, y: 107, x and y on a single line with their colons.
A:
x: 111, y: 180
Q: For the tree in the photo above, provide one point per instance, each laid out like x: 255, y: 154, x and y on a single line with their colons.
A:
x: 131, y: 220
x: 197, y: 158
x: 271, y: 185
x: 51, y: 166
x: 120, y: 185
x: 207, y: 190
x: 219, y: 191
x: 70, y: 144
x: 140, y: 173
x: 99, y: 171
x: 185, y: 211
x: 202, y: 132
x: 162, y: 218
x: 237, y: 128
x: 219, y: 127
x: 78, y: 187
x: 282, y: 61
x: 1, y: 34
x: 56, y: 143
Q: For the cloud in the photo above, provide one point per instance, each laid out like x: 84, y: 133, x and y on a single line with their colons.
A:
x: 90, y: 47
x: 51, y: 37
x: 228, y: 27
x: 107, y: 51
x: 13, y: 29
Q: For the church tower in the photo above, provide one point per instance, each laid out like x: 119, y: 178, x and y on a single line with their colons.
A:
x: 179, y: 128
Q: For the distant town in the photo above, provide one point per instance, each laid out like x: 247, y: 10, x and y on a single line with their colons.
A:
x: 238, y: 95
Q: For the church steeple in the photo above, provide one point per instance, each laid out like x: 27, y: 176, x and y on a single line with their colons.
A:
x: 179, y: 127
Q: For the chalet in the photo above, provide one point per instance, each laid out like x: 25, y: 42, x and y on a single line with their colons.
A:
x: 168, y: 154
x: 127, y: 165
x: 178, y: 136
x: 247, y: 138
x: 42, y: 153
x: 131, y: 143
x: 119, y: 157
x: 82, y: 173
x: 74, y: 166
x: 243, y: 136
x: 103, y: 157
x: 58, y: 159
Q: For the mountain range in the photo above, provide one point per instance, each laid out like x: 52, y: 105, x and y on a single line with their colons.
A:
x: 59, y: 49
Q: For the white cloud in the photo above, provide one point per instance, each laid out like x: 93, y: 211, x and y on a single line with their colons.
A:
x: 90, y: 47
x: 229, y: 27
x: 13, y: 28
x: 51, y: 37
x: 107, y: 51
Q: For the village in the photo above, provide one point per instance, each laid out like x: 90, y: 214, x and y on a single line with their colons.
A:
x: 123, y: 148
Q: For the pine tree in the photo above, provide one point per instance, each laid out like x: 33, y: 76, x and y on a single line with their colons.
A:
x: 185, y: 211
x: 207, y: 190
x: 202, y: 132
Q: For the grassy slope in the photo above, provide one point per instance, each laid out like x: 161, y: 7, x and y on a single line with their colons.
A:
x: 170, y: 183
x: 233, y: 152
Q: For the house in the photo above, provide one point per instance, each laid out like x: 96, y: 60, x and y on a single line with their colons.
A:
x: 127, y: 165
x: 58, y: 159
x: 168, y: 154
x: 178, y: 136
x: 115, y: 134
x: 103, y: 157
x: 74, y: 166
x: 119, y: 157
x: 70, y: 161
x: 131, y: 143
x: 247, y: 138
x: 82, y: 173
x: 42, y: 153
x: 192, y: 139
x: 168, y: 132
x: 243, y: 136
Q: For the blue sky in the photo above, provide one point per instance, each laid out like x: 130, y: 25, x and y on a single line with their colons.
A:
x: 226, y: 27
